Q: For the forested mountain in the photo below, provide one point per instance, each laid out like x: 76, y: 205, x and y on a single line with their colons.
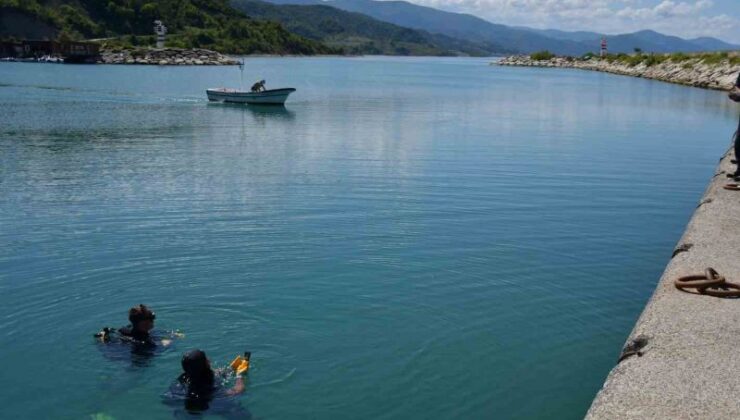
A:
x: 210, y: 24
x: 313, y: 27
x: 360, y: 34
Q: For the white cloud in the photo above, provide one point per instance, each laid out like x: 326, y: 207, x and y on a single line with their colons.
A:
x: 677, y: 17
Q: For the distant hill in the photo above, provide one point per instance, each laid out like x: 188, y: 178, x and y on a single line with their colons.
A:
x: 210, y: 24
x: 357, y: 33
x: 647, y: 40
x: 456, y: 25
x: 525, y: 40
x: 713, y: 44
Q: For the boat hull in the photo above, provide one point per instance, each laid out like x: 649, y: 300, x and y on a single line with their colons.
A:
x: 266, y: 97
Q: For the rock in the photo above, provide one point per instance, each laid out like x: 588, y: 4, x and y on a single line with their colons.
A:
x: 166, y: 56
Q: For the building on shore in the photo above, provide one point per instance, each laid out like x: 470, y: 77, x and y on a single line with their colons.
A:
x: 70, y: 51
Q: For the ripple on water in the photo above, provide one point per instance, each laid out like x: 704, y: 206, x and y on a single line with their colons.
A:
x: 403, y: 240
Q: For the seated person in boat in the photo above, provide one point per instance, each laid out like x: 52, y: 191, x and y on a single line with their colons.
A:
x: 259, y: 86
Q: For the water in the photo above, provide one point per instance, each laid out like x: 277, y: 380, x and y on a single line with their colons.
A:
x: 409, y: 238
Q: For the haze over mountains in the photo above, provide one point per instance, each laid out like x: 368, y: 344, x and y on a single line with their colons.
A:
x: 356, y: 33
x: 520, y: 39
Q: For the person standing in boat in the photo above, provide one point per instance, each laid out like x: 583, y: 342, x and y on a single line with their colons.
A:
x: 259, y: 86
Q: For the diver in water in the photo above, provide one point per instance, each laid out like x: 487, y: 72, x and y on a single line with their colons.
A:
x: 139, y: 330
x: 137, y: 342
x: 200, y: 386
x: 142, y: 323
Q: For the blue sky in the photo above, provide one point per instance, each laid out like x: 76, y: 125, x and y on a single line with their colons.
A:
x: 685, y: 18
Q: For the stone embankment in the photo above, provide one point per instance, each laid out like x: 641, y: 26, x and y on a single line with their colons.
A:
x: 166, y: 57
x: 687, y: 366
x: 691, y: 72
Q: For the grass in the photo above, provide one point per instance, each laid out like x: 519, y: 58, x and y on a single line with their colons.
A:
x: 632, y: 60
x: 542, y: 55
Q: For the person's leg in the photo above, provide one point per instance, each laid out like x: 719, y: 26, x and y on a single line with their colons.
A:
x: 737, y: 149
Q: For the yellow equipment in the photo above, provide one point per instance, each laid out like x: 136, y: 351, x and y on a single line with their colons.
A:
x: 241, y: 364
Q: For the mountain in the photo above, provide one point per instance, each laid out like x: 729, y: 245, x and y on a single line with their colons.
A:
x: 521, y: 39
x: 647, y: 40
x: 356, y: 33
x: 578, y: 36
x: 210, y: 24
x: 713, y: 44
x: 456, y: 25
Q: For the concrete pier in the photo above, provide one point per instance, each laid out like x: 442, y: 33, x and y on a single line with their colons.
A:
x: 690, y: 366
x: 692, y: 72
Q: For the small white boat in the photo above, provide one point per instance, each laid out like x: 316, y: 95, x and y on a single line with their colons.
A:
x: 265, y: 97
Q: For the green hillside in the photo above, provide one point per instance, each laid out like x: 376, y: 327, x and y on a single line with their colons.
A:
x: 356, y: 33
x: 212, y: 24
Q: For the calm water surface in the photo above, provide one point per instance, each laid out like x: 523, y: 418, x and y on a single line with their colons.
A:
x: 407, y: 239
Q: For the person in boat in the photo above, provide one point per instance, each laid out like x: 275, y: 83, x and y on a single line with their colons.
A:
x: 735, y: 96
x: 259, y: 86
x: 201, y: 388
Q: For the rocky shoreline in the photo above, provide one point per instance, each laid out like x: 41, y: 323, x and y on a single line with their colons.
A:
x: 691, y: 72
x: 165, y: 57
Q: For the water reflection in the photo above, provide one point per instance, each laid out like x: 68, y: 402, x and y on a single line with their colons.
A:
x: 272, y: 111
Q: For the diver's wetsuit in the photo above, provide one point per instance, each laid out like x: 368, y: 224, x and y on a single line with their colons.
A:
x: 129, y: 345
x: 216, y: 400
x: 737, y: 136
x: 139, y: 337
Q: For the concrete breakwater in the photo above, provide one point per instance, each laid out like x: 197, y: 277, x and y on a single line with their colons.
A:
x: 688, y: 342
x: 166, y: 57
x: 691, y: 72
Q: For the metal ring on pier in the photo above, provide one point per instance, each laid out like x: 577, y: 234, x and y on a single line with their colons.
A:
x: 723, y: 290
x: 732, y: 187
x: 710, y: 283
x: 700, y: 281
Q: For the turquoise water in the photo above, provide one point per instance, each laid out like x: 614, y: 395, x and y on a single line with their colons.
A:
x: 407, y: 239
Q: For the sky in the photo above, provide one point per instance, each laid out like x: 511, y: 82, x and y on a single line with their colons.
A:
x: 684, y: 18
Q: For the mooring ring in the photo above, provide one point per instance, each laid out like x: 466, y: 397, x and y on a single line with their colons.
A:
x: 700, y: 281
x: 713, y: 290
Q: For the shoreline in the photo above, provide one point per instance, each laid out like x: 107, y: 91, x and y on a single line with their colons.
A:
x: 690, y: 72
x: 197, y: 57
x: 687, y: 366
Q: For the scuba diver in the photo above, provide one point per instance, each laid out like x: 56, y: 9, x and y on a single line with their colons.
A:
x: 201, y: 388
x: 138, y: 341
x: 139, y: 330
x: 142, y: 322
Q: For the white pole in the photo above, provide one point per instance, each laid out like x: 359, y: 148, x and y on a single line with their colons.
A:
x: 241, y: 75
